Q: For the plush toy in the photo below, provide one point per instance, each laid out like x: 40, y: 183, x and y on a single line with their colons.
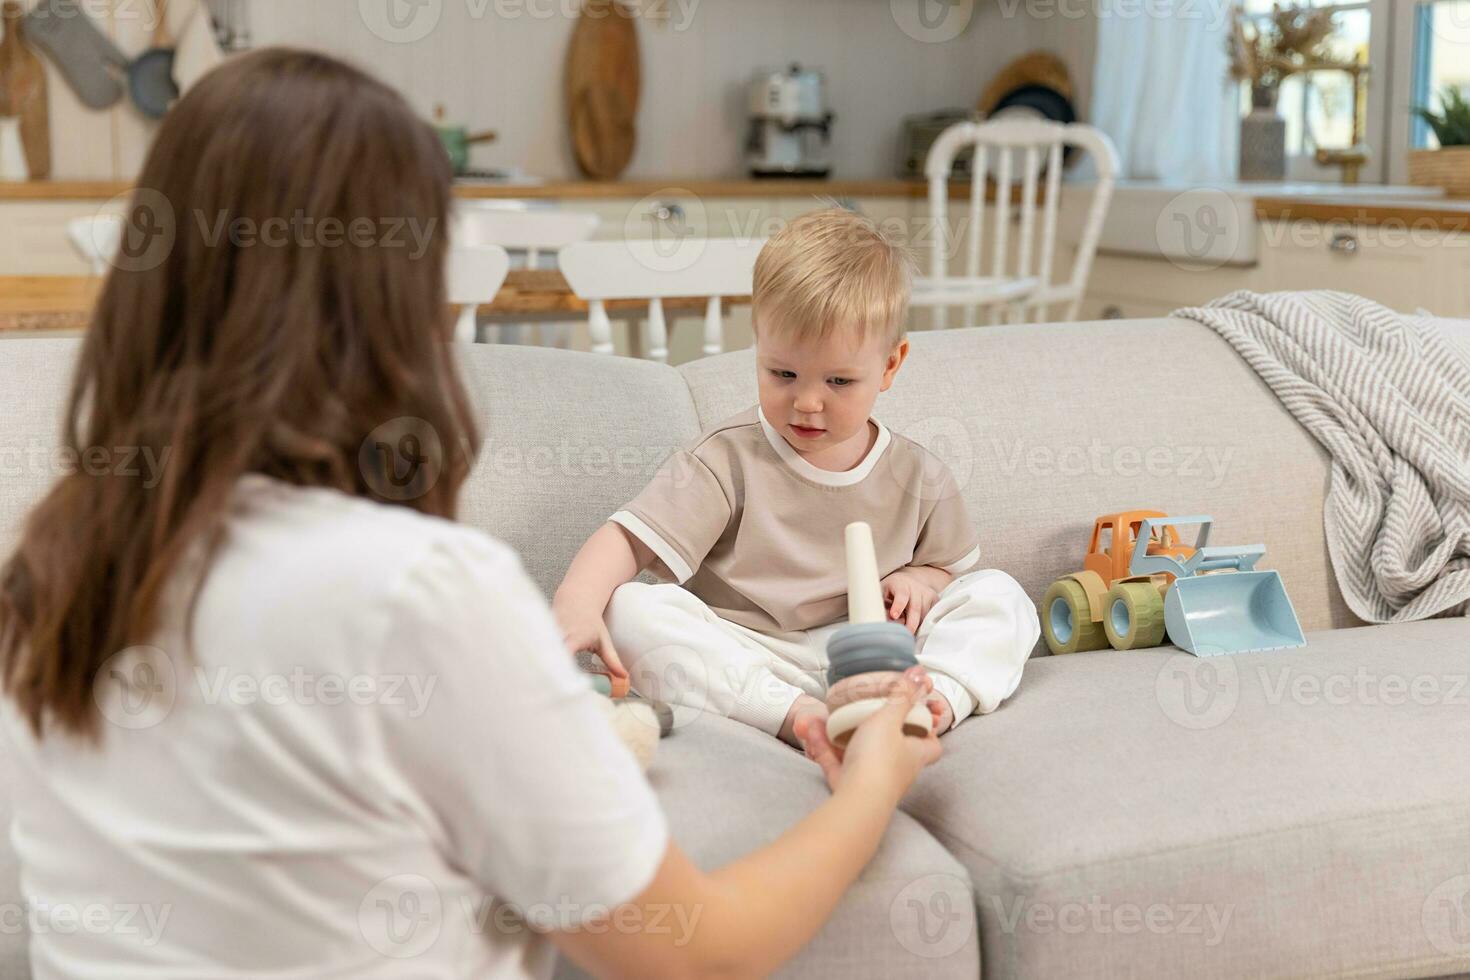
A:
x: 640, y: 724
x: 637, y: 724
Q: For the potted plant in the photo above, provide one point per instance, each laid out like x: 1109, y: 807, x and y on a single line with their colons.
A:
x: 1449, y: 165
x: 1289, y: 41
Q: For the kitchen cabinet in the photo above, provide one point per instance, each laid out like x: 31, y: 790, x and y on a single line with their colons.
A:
x: 35, y: 241
x: 1404, y: 271
x: 1396, y: 268
x: 1129, y: 287
x: 1455, y: 285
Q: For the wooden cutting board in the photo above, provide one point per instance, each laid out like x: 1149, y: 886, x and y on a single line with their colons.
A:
x: 23, y: 91
x: 604, y: 79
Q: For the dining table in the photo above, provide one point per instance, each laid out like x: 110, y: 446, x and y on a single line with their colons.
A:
x: 64, y: 304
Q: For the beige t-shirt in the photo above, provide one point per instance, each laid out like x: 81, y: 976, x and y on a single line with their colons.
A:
x: 753, y: 529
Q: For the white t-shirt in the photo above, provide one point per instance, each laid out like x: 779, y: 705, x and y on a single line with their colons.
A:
x: 381, y: 762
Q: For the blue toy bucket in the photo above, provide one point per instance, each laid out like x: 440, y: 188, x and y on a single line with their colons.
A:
x: 1231, y: 612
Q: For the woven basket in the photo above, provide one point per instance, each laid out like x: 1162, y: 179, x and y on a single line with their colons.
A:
x: 1447, y: 167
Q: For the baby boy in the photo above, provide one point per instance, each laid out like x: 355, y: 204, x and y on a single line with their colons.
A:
x: 745, y: 525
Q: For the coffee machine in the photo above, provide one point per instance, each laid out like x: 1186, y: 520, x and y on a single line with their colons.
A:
x: 790, y: 127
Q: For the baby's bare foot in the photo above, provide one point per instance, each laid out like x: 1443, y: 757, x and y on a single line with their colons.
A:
x: 804, y: 706
x: 943, y: 714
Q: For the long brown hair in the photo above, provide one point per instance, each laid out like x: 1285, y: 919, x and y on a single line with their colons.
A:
x: 280, y: 294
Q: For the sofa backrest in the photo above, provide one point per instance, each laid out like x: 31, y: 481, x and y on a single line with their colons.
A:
x: 1046, y: 427
x: 568, y: 439
x: 35, y: 379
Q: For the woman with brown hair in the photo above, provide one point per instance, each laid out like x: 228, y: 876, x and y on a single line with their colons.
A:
x: 273, y: 712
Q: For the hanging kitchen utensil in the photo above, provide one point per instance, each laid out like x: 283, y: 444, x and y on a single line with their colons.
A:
x: 602, y: 88
x: 603, y: 133
x: 457, y: 141
x: 23, y: 91
x: 198, y: 50
x: 88, y: 61
x: 151, y: 75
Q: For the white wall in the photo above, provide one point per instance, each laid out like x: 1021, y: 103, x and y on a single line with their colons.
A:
x: 498, y: 64
x: 506, y: 73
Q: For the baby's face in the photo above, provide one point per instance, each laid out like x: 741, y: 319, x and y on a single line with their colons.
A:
x: 819, y: 395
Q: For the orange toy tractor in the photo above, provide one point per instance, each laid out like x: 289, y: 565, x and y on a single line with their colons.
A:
x: 1140, y: 582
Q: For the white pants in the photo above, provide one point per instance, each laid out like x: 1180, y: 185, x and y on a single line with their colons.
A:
x: 974, y: 643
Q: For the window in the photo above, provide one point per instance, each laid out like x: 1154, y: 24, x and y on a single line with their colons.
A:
x: 1318, y: 106
x: 1441, y: 57
x: 1431, y: 49
x: 1414, y: 48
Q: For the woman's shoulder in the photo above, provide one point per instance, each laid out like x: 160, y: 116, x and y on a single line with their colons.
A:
x: 336, y: 537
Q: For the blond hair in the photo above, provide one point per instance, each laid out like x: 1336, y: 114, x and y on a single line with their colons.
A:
x: 832, y: 271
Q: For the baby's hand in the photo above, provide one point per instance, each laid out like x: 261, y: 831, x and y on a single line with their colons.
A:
x: 909, y: 598
x: 582, y: 630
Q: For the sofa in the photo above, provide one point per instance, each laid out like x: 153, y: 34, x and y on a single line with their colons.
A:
x: 1295, y: 813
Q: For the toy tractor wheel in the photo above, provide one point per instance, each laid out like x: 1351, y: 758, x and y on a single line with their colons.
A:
x: 1066, y: 621
x: 1133, y: 616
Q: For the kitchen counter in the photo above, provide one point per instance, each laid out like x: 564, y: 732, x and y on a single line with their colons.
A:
x: 62, y: 190
x: 30, y: 304
x: 1316, y: 202
x: 73, y: 190
x: 1218, y: 224
x: 1434, y: 213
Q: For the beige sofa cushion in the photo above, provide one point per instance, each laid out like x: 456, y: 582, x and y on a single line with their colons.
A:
x: 569, y: 438
x: 729, y: 789
x: 1048, y: 426
x: 1318, y: 797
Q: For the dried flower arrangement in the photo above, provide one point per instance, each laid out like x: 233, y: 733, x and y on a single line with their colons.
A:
x: 1291, y: 40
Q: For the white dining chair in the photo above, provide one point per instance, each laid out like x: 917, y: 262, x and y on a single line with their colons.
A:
x: 97, y: 239
x: 532, y: 234
x: 655, y: 270
x: 475, y: 274
x: 1026, y: 287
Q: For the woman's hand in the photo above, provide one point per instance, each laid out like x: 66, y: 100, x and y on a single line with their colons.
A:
x: 879, y: 754
x: 908, y: 597
x: 584, y: 629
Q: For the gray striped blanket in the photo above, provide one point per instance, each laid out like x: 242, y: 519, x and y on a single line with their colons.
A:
x: 1388, y: 396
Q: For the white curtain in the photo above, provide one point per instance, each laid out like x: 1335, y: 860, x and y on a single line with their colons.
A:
x: 1159, y: 89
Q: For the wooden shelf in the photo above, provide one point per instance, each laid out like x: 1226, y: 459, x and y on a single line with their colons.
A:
x: 1447, y: 215
x: 46, y: 303
x: 85, y: 190
x: 62, y: 190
